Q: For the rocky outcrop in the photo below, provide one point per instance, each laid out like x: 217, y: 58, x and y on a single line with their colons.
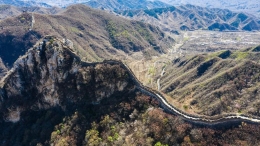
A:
x: 51, y: 75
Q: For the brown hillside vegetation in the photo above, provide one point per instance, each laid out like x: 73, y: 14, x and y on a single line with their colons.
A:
x: 95, y: 34
x: 50, y: 97
x: 216, y: 83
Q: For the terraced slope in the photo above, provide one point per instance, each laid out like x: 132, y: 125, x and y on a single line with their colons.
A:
x: 217, y: 83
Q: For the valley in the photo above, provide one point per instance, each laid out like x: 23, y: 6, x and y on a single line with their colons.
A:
x: 190, y: 43
x: 200, y: 41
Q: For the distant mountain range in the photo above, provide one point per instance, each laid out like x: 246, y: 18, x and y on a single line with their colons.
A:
x: 42, y: 3
x: 169, y: 18
x: 126, y: 4
x: 105, y: 4
x: 190, y: 17
x: 9, y: 10
x: 24, y: 3
x: 250, y: 6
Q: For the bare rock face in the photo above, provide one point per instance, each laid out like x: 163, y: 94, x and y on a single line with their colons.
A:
x: 51, y: 75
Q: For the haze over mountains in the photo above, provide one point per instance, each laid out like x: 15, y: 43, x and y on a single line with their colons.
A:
x: 106, y: 4
x: 10, y: 11
x: 126, y: 4
x: 43, y: 3
x: 251, y: 6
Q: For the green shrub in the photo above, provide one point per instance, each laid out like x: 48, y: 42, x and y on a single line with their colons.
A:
x: 240, y: 55
x: 160, y: 144
x: 185, y: 107
x: 110, y: 138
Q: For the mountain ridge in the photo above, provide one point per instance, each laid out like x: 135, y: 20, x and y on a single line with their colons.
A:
x: 190, y: 17
x: 241, y: 6
x: 11, y: 11
x: 107, y: 4
x: 124, y: 5
x: 251, y: 7
x: 95, y: 34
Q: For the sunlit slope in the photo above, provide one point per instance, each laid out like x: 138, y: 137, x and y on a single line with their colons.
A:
x: 95, y: 34
x: 216, y: 83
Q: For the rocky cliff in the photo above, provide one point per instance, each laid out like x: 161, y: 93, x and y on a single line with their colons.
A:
x: 50, y: 76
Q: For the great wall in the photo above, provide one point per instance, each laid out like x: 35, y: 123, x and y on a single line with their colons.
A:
x: 164, y: 104
x: 208, y: 120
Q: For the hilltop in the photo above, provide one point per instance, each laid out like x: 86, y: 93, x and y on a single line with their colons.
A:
x: 96, y: 35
